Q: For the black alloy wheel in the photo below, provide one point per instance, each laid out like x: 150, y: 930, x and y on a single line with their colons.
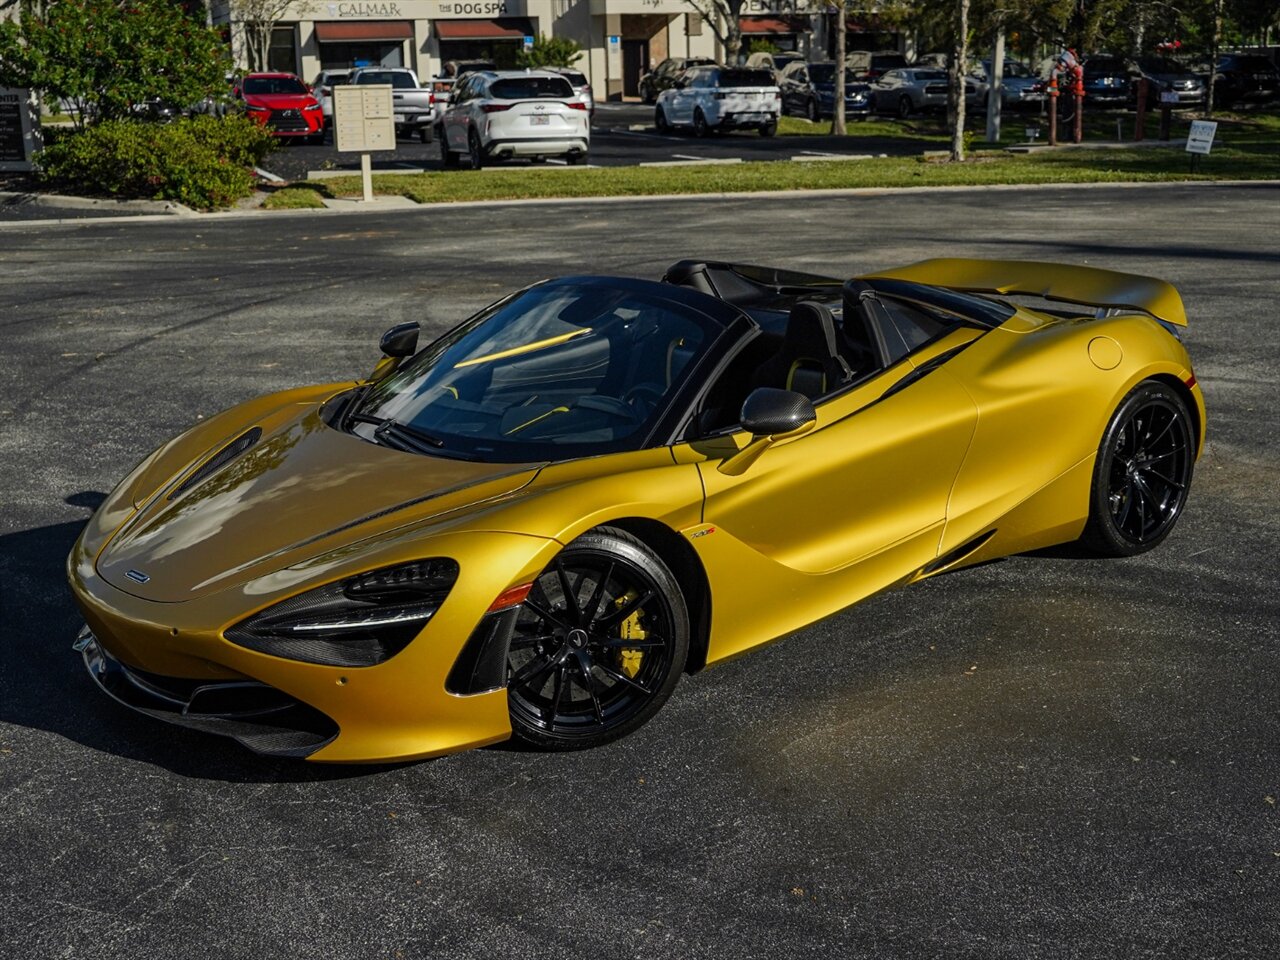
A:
x: 700, y: 126
x: 599, y: 645
x: 1143, y: 472
x: 475, y: 153
x: 905, y: 106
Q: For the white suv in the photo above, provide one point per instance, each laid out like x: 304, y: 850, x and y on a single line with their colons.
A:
x: 514, y: 113
x: 720, y: 98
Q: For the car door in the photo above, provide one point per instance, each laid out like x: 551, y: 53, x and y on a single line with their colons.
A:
x: 826, y: 518
x: 680, y: 98
x: 455, y: 118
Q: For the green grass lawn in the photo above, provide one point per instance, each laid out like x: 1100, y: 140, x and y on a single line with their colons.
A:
x: 1247, y: 148
x: 296, y: 197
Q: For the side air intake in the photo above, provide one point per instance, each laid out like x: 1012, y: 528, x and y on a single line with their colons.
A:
x: 219, y: 460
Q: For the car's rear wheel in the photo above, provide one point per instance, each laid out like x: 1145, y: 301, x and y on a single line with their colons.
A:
x: 574, y: 159
x: 660, y: 121
x: 1143, y: 472
x: 811, y: 110
x: 768, y: 129
x: 424, y: 134
x: 600, y: 644
x: 905, y: 106
x: 700, y: 126
x: 475, y: 153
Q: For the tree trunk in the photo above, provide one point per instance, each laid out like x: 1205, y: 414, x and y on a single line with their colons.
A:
x: 837, y: 104
x: 958, y: 63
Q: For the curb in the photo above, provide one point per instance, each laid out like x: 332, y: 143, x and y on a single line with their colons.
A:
x: 795, y: 195
x: 57, y: 201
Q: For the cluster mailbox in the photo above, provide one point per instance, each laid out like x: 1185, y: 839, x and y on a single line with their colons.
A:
x: 364, y: 121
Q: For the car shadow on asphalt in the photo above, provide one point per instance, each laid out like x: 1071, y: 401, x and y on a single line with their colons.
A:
x: 44, y: 685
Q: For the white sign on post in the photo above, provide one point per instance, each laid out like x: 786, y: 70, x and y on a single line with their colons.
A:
x: 364, y: 121
x: 1200, y: 139
x: 19, y: 129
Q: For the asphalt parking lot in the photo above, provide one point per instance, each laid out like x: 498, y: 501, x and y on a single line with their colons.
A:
x: 1044, y: 757
x: 622, y: 134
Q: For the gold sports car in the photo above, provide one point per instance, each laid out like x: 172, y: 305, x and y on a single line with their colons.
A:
x: 535, y: 524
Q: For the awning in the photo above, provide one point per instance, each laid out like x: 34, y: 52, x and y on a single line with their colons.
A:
x: 774, y: 24
x: 369, y: 30
x: 504, y: 28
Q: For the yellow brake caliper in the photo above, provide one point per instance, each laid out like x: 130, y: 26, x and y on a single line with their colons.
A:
x: 629, y: 659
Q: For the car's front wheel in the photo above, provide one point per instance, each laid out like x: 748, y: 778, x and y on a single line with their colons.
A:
x: 905, y: 106
x: 660, y: 122
x: 1143, y: 472
x: 811, y: 110
x: 599, y: 645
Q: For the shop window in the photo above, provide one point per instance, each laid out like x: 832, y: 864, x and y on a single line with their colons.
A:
x: 282, y: 55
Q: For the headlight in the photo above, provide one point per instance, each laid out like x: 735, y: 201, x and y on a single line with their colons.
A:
x: 357, y: 622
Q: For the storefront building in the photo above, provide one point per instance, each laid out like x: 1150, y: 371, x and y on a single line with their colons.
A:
x: 620, y: 39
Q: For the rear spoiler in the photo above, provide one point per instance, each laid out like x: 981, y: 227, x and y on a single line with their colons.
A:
x: 1090, y: 286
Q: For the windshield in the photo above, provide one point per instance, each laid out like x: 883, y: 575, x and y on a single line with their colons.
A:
x: 1163, y: 65
x: 273, y: 86
x: 397, y: 79
x: 826, y: 73
x: 736, y: 77
x: 568, y: 368
x: 531, y: 88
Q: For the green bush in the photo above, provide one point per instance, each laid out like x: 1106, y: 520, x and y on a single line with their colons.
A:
x: 203, y: 162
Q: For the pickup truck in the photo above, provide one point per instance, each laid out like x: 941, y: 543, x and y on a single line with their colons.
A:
x: 414, y: 105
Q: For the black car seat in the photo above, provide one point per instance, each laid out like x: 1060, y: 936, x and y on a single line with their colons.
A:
x: 809, y: 359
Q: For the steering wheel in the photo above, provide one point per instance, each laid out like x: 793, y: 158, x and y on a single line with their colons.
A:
x: 609, y: 405
x: 643, y: 398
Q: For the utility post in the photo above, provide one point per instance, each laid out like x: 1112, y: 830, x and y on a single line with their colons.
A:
x: 995, y: 90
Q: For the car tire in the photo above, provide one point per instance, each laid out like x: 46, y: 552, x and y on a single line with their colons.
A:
x: 905, y: 107
x: 660, y: 120
x: 475, y: 153
x: 573, y: 679
x: 768, y: 129
x: 424, y: 134
x: 811, y: 112
x: 1142, y: 473
x: 646, y: 94
x: 700, y: 126
x: 574, y: 159
x: 448, y: 158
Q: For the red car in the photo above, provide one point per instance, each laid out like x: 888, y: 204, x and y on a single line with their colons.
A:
x: 282, y: 102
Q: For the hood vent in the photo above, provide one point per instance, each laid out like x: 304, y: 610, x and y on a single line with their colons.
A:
x: 218, y: 461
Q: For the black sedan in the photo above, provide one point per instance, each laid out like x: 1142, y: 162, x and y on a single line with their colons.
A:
x: 809, y: 89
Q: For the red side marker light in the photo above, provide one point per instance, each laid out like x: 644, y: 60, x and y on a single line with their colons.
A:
x: 1190, y: 381
x: 510, y: 597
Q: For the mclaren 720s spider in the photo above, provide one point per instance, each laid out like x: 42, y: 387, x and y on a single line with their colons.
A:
x: 534, y: 525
